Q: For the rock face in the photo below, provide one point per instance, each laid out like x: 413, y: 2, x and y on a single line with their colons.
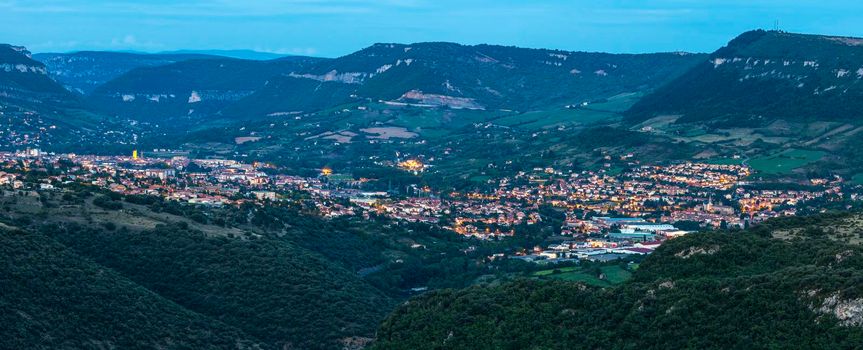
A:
x: 425, y: 75
x: 848, y: 311
x: 22, y: 77
x: 194, y: 89
x: 692, y: 251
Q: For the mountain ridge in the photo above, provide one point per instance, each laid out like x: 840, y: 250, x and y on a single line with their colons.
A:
x: 762, y: 76
x: 83, y: 71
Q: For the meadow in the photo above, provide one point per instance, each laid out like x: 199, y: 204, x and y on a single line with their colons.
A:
x: 785, y: 162
x: 613, y: 275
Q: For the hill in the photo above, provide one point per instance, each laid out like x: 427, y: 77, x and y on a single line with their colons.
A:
x: 483, y: 77
x: 54, y: 298
x: 83, y: 71
x: 257, y: 282
x: 785, y: 283
x: 188, y: 89
x: 764, y: 76
x: 768, y: 95
x: 425, y: 74
x: 26, y: 80
x: 240, y: 54
x: 37, y: 112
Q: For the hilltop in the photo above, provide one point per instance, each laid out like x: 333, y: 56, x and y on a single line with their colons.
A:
x: 763, y: 76
x: 188, y: 89
x: 36, y: 110
x: 23, y: 79
x: 83, y: 71
x: 764, y: 93
x: 481, y: 77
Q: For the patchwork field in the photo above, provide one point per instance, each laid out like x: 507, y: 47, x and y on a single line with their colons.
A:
x: 389, y: 132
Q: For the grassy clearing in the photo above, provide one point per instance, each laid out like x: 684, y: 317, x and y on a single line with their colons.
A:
x: 617, y: 103
x: 613, y: 275
x: 785, y: 162
x: 553, y: 271
x: 552, y: 118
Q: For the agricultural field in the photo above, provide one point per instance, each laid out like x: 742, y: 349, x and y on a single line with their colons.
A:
x: 612, y: 275
x: 554, y: 118
x: 602, y: 111
x: 785, y: 162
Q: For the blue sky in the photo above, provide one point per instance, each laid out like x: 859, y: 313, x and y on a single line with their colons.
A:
x: 338, y: 27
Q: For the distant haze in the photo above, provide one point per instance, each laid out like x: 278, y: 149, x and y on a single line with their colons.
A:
x: 335, y: 28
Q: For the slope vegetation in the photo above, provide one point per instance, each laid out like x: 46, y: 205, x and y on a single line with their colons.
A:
x: 53, y: 298
x: 188, y: 89
x: 704, y: 291
x: 762, y: 76
x: 474, y: 77
x: 83, y: 71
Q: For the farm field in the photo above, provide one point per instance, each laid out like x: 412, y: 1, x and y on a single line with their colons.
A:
x: 553, y: 118
x: 785, y: 162
x: 614, y: 274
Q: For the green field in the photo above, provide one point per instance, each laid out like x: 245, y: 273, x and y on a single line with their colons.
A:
x: 614, y: 274
x: 785, y: 162
x: 552, y: 118
x: 553, y: 271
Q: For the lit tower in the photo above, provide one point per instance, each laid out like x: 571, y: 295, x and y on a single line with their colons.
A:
x: 135, y: 154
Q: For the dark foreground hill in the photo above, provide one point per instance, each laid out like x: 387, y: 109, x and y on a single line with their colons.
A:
x: 763, y: 76
x: 52, y: 298
x: 83, y: 276
x: 786, y: 284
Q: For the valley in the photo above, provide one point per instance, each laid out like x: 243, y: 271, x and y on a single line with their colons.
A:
x: 434, y: 195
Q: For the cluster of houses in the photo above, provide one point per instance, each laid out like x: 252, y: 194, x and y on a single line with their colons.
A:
x: 615, y: 238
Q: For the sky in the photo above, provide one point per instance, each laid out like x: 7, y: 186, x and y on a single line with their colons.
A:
x: 339, y: 27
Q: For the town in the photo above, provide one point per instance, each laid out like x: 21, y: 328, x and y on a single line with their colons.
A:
x: 606, y: 215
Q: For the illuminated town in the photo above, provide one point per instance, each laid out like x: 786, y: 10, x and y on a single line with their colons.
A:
x: 605, y: 214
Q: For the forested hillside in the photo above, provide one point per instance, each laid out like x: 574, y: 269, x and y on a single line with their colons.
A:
x: 260, y: 286
x: 53, y: 298
x: 740, y: 290
x: 276, y: 292
x: 274, y: 277
x: 83, y: 71
x: 192, y: 88
x: 469, y: 77
x: 762, y: 76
